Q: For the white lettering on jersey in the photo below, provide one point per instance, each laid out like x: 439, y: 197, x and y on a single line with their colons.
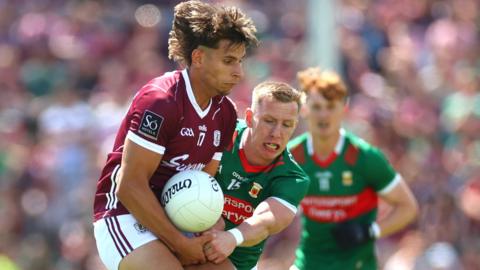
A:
x: 187, y: 132
x: 201, y: 137
x: 176, y: 163
x: 239, y: 177
x: 234, y: 184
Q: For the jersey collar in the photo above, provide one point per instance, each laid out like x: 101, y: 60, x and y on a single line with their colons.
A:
x: 336, y: 151
x: 201, y: 113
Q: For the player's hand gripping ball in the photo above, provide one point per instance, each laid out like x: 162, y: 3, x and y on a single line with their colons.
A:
x: 193, y: 200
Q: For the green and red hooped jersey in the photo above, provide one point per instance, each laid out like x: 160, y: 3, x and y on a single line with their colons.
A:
x: 245, y: 186
x: 343, y: 187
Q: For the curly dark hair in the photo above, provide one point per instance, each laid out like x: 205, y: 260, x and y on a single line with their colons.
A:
x: 196, y: 23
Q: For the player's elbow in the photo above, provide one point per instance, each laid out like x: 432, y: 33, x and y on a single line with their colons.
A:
x: 410, y: 210
x: 413, y: 209
x: 281, y: 222
x: 124, y: 189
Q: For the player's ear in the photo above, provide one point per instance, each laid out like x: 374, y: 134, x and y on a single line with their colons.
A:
x: 197, y: 56
x: 248, y: 117
x: 346, y: 106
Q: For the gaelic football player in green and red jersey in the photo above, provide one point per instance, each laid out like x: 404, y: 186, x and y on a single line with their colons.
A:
x: 339, y: 213
x: 261, y: 182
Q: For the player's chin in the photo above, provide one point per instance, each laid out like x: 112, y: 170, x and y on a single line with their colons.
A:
x: 224, y: 91
x: 227, y: 88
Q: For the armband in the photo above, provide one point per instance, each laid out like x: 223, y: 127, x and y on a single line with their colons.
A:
x: 237, y: 234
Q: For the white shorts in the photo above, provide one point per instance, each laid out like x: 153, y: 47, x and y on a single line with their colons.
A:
x: 117, y: 236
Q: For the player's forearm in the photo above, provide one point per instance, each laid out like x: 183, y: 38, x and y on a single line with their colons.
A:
x: 144, y: 206
x: 254, y: 230
x: 279, y: 250
x: 399, y: 218
x: 279, y: 253
x: 266, y: 220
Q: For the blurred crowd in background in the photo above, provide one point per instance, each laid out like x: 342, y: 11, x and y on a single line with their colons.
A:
x: 69, y: 68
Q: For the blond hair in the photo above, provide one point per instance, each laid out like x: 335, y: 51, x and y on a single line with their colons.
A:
x: 326, y: 82
x: 280, y: 91
x: 196, y: 23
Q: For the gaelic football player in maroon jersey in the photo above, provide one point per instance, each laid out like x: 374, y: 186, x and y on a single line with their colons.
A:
x: 181, y: 120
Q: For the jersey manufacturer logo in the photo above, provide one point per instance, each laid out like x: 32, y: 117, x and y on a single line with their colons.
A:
x: 216, y: 138
x: 256, y: 188
x: 187, y: 132
x: 202, y: 128
x: 150, y: 125
x: 239, y: 177
x: 347, y: 179
x: 236, y: 210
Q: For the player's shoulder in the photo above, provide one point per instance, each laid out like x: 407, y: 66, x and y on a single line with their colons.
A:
x: 288, y: 165
x: 297, y: 147
x: 164, y: 87
x: 297, y: 141
x: 360, y: 145
x: 161, y: 94
x: 289, y: 173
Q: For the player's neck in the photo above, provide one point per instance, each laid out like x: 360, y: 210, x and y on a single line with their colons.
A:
x: 324, y: 146
x: 199, y: 89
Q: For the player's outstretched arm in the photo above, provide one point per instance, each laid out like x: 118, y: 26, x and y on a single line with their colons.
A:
x: 405, y: 209
x: 138, y: 165
x: 279, y: 250
x: 269, y: 217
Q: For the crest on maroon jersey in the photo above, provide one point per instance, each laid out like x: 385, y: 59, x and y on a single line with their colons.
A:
x: 150, y: 125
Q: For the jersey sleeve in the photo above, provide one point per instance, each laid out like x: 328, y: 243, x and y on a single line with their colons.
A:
x: 290, y: 186
x: 378, y: 171
x: 153, y: 120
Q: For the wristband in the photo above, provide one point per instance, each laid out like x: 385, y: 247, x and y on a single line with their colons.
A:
x: 237, y: 234
x: 375, y: 230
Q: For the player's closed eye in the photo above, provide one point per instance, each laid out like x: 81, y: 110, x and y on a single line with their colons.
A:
x: 230, y: 61
x: 269, y: 121
x: 287, y: 125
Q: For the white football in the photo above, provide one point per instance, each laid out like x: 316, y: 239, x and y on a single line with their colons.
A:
x: 193, y: 200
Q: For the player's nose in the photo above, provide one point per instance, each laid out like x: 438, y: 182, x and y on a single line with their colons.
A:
x: 237, y: 71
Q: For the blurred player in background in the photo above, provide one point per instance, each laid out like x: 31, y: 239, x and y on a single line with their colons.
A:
x: 261, y: 182
x: 339, y: 212
x: 181, y: 120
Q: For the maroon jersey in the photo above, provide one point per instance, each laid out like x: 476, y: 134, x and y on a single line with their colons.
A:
x: 165, y: 118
